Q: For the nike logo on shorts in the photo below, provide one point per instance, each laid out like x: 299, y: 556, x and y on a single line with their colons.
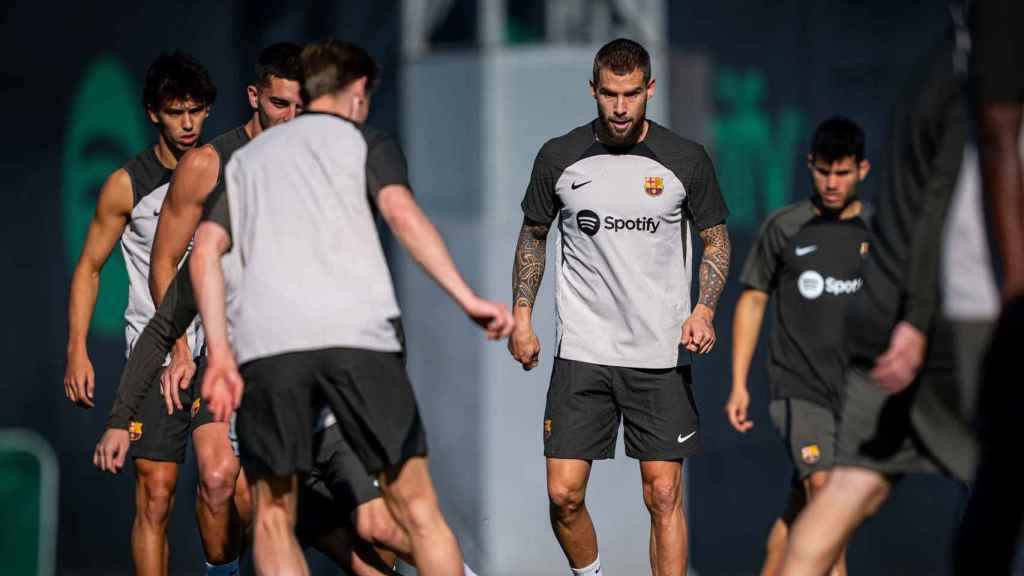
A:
x: 805, y: 250
x: 580, y: 185
x: 682, y: 438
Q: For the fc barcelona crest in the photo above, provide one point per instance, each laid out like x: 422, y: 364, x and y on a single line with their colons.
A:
x: 654, y: 185
x: 134, y: 430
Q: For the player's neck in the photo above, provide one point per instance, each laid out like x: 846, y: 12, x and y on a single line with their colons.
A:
x: 252, y: 127
x: 339, y: 106
x: 165, y: 154
x: 851, y: 211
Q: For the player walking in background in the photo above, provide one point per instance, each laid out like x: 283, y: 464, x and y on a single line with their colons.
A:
x: 903, y: 406
x: 624, y: 190
x: 177, y: 97
x: 807, y: 258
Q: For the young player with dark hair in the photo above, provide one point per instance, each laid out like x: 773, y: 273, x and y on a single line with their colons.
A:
x: 807, y: 258
x: 903, y: 409
x: 177, y: 98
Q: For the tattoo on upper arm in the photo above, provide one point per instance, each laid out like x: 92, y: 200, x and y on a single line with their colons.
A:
x: 714, y: 266
x: 531, y: 253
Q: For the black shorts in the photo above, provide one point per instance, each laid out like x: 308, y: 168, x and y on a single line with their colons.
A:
x: 808, y: 431
x: 330, y: 493
x: 368, y: 391
x: 585, y: 402
x: 156, y: 435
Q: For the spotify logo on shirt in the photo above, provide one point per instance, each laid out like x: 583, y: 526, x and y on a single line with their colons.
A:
x: 812, y: 285
x: 589, y: 222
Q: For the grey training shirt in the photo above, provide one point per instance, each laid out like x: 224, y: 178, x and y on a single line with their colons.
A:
x: 313, y: 273
x: 623, y: 254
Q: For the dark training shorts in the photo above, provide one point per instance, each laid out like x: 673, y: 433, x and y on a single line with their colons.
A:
x: 876, y: 431
x: 336, y: 486
x: 808, y: 431
x: 585, y: 402
x: 368, y: 391
x: 154, y: 434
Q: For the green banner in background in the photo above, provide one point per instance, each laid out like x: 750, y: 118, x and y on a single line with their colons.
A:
x: 755, y: 155
x: 106, y: 127
x: 28, y: 499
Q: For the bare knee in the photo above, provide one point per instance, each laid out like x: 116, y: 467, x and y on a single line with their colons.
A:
x: 868, y: 487
x: 567, y: 499
x: 217, y: 483
x: 663, y: 497
x: 375, y: 524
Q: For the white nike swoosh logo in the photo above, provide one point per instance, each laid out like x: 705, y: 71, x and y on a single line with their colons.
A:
x: 805, y: 250
x: 682, y: 438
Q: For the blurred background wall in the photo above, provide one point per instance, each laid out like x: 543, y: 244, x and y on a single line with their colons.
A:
x: 473, y: 88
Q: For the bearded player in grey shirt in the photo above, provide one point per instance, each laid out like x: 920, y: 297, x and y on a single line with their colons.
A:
x: 624, y: 190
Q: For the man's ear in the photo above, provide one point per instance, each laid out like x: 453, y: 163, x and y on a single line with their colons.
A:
x: 254, y: 95
x: 863, y: 168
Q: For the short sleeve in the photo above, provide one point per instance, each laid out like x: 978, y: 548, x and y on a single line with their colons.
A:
x: 706, y: 206
x: 762, y: 264
x: 540, y: 203
x: 215, y: 209
x: 385, y: 165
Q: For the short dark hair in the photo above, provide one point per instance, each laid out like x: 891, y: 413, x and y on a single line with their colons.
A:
x: 281, y: 60
x: 837, y: 138
x: 622, y: 56
x: 177, y: 76
x: 331, y: 66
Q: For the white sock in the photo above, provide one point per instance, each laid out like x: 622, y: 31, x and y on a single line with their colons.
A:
x: 467, y: 571
x: 593, y: 570
x: 229, y: 569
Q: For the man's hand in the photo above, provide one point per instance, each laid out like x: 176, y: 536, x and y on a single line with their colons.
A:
x: 896, y: 368
x: 736, y: 409
x: 177, y: 376
x: 524, y: 345
x: 222, y: 386
x: 79, y: 379
x: 493, y: 317
x: 698, y: 332
x: 111, y: 450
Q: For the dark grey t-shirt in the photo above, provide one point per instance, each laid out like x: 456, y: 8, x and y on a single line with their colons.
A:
x: 622, y: 284
x: 811, y: 266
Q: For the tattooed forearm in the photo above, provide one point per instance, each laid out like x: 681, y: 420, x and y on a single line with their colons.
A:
x: 714, y: 266
x: 528, y: 270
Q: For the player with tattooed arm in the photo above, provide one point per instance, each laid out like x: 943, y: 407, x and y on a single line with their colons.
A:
x: 625, y: 191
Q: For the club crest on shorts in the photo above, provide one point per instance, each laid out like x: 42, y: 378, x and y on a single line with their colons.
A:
x: 810, y: 454
x: 134, y: 430
x: 195, y: 407
x: 864, y: 247
x: 547, y: 429
x: 654, y: 185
